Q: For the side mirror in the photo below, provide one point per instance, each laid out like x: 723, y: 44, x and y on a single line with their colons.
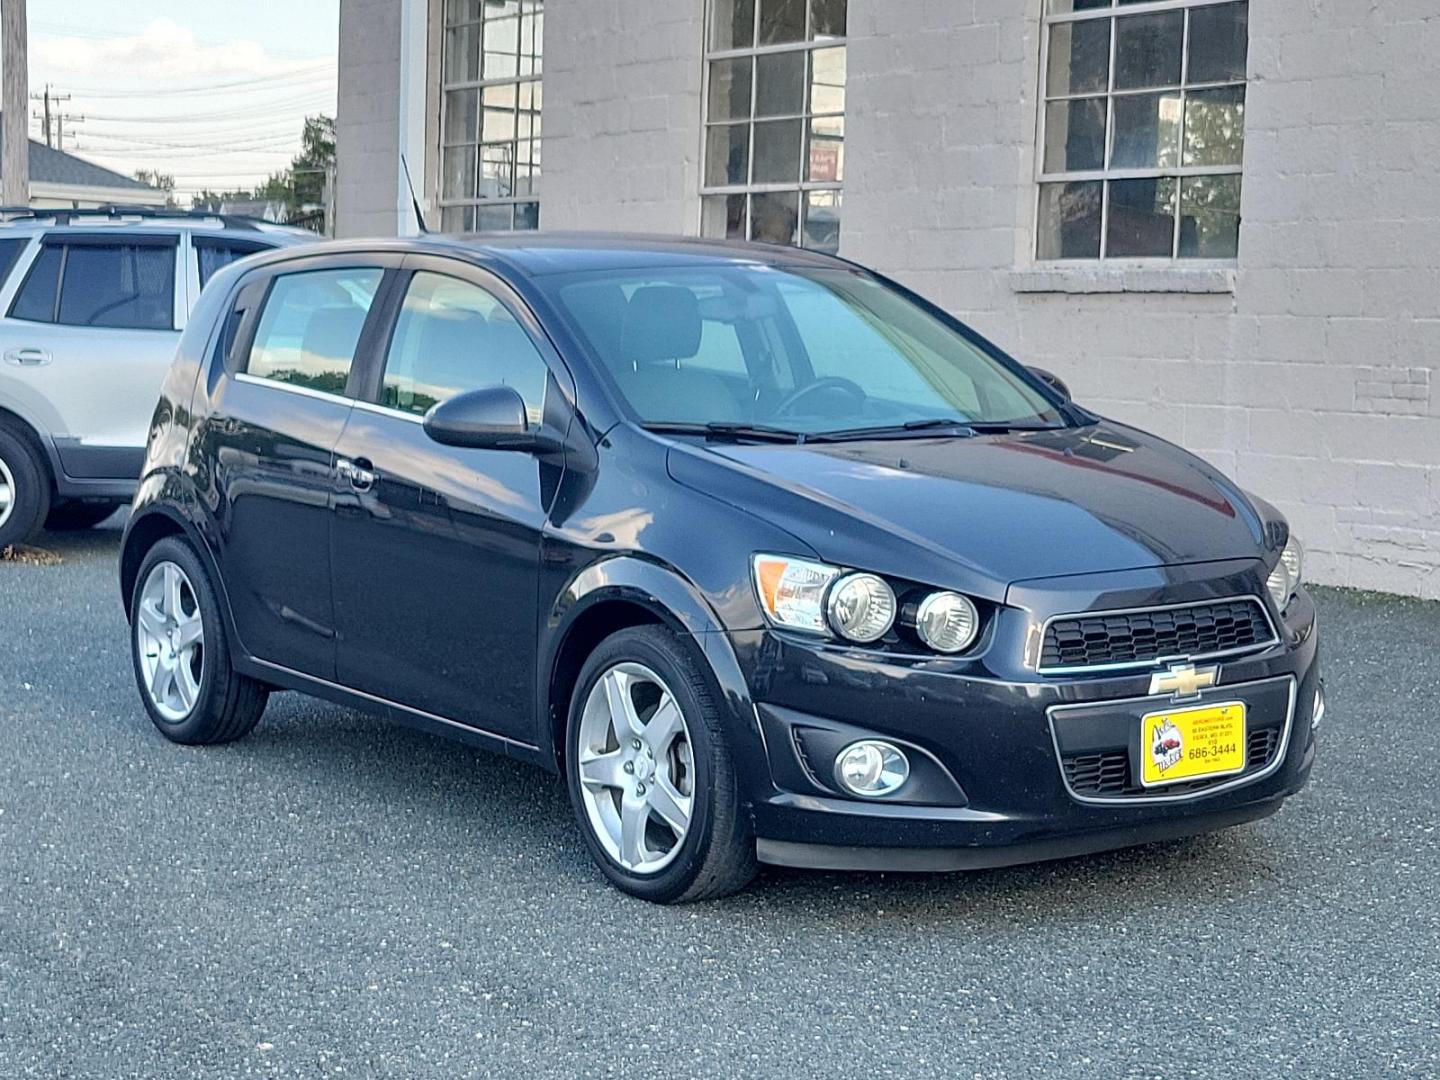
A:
x: 489, y: 419
x: 1050, y: 379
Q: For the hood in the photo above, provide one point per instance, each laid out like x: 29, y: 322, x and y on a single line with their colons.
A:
x: 988, y: 510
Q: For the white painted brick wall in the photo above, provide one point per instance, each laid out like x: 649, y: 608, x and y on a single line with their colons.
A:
x: 367, y: 138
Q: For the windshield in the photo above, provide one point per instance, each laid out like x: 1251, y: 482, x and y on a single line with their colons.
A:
x: 802, y: 350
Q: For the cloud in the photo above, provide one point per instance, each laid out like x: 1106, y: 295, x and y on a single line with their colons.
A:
x: 164, y: 50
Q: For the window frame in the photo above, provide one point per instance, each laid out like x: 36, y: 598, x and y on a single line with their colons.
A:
x: 807, y: 45
x: 534, y: 79
x: 1113, y: 11
x: 66, y: 241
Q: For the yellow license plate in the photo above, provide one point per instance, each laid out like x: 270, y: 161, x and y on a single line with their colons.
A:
x: 1192, y: 744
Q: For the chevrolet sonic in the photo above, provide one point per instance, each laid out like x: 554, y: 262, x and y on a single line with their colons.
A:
x: 773, y: 560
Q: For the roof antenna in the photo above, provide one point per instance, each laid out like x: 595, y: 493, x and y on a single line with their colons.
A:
x: 415, y: 202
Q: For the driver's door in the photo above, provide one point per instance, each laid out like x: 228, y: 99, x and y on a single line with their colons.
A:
x: 436, y: 548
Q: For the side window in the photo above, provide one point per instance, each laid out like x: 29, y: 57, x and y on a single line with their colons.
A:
x: 35, y: 302
x: 214, y: 255
x: 10, y: 251
x: 124, y: 286
x: 454, y: 336
x: 310, y: 326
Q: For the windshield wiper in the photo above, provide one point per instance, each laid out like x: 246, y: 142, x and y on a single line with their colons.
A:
x: 719, y: 429
x: 949, y: 425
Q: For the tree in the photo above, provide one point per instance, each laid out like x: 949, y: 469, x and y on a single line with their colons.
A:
x: 156, y: 179
x: 299, y: 189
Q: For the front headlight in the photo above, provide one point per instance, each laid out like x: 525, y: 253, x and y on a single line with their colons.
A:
x: 1285, y: 578
x: 792, y: 591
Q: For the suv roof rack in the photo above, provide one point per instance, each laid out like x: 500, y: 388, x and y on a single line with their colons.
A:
x: 119, y: 211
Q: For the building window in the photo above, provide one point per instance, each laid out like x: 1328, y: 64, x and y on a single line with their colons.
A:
x: 775, y: 121
x: 1143, y: 129
x: 490, y: 115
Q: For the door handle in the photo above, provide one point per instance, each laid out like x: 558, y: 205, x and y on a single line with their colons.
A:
x: 358, y: 473
x: 30, y: 357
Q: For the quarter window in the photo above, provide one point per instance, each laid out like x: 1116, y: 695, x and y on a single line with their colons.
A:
x: 490, y: 114
x: 214, y: 255
x: 310, y: 326
x: 453, y: 336
x: 10, y: 251
x: 117, y: 286
x: 775, y: 121
x: 1142, y: 129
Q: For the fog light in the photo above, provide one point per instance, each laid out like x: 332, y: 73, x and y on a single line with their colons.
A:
x: 871, y: 768
x: 1317, y: 710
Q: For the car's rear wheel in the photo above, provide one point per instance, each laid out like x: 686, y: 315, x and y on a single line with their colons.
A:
x: 650, y: 773
x: 24, y: 489
x: 74, y: 515
x: 180, y: 653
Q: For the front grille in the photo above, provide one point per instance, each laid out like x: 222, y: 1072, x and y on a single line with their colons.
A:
x: 1143, y: 637
x: 1107, y: 774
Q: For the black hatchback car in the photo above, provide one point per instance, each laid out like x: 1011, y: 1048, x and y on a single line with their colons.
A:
x: 772, y: 559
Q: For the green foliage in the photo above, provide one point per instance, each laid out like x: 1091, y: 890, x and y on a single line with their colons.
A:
x: 299, y: 189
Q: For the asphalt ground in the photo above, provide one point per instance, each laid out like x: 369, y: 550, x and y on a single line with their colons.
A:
x: 334, y: 896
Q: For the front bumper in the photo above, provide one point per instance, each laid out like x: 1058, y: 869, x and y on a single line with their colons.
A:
x: 992, y: 784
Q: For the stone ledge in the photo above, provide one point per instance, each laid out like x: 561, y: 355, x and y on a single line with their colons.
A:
x: 1122, y: 279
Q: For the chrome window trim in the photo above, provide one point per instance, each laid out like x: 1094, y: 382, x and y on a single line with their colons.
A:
x: 386, y: 410
x: 304, y: 391
x: 1189, y: 796
x: 1134, y: 665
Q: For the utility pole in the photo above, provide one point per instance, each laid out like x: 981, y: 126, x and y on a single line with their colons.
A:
x: 15, y: 102
x: 46, y: 126
x: 60, y: 119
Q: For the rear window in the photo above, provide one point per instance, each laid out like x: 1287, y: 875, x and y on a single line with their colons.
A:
x: 129, y: 286
x: 10, y: 251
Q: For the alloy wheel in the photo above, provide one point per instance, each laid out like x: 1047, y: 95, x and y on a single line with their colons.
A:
x: 7, y: 492
x: 170, y: 639
x: 636, y: 768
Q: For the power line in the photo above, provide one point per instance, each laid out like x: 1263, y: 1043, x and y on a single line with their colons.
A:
x: 253, y: 112
x: 244, y: 86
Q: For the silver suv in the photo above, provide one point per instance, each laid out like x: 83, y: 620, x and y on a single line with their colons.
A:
x: 92, y: 303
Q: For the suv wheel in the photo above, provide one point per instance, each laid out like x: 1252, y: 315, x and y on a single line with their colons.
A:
x: 650, y: 773
x: 74, y: 515
x: 181, y: 658
x: 24, y: 490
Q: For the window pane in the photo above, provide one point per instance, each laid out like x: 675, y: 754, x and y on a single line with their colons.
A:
x: 1210, y: 217
x: 121, y: 286
x: 780, y: 84
x: 10, y: 251
x: 777, y: 152
x: 502, y: 44
x: 527, y: 216
x: 1075, y: 135
x: 36, y: 300
x: 827, y: 81
x: 1215, y: 126
x: 1147, y: 131
x: 1219, y: 39
x: 452, y: 336
x: 1147, y: 50
x: 494, y: 217
x: 459, y: 180
x: 531, y: 39
x: 458, y: 11
x: 216, y: 256
x: 1142, y: 218
x: 498, y: 124
x: 774, y: 217
x: 727, y: 155
x: 732, y: 24
x: 457, y: 219
x: 781, y: 21
x: 462, y: 115
x: 826, y: 160
x: 462, y: 54
x: 822, y: 221
x: 310, y: 327
x: 1079, y: 58
x: 827, y: 18
x: 1064, y: 7
x: 1070, y: 221
x: 497, y: 170
x: 730, y: 89
x: 723, y: 216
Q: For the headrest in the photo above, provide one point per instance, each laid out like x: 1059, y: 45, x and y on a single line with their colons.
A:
x: 662, y: 322
x: 332, y: 332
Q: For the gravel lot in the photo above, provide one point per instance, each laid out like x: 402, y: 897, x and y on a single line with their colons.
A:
x: 335, y: 896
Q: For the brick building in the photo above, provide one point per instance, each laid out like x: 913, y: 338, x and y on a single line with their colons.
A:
x: 1216, y: 219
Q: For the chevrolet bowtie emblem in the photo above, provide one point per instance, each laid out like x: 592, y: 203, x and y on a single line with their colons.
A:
x: 1184, y: 680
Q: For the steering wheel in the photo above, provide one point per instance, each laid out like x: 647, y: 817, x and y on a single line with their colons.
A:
x: 830, y: 382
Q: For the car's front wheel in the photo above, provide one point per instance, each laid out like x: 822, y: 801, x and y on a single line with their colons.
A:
x: 180, y: 653
x: 650, y: 772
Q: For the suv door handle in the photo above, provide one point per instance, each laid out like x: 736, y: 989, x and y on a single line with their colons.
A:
x: 359, y: 473
x: 27, y: 357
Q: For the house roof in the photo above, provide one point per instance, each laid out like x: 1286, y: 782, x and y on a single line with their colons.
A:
x: 50, y: 166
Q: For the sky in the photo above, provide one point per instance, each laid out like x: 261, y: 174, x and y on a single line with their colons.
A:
x: 214, y: 92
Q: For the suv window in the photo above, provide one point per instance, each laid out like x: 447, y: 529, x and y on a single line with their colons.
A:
x: 454, y: 336
x: 310, y: 326
x: 215, y: 254
x: 117, y: 285
x: 10, y: 251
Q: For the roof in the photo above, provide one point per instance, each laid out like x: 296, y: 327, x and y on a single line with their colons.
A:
x: 51, y: 166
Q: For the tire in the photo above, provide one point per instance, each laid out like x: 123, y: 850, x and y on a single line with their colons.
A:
x: 209, y: 701
x: 24, y: 489
x: 715, y: 854
x: 76, y: 515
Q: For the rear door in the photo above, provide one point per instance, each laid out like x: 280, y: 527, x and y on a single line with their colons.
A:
x: 87, y: 338
x: 275, y: 415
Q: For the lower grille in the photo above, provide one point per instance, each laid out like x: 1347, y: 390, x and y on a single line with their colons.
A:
x: 1107, y: 774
